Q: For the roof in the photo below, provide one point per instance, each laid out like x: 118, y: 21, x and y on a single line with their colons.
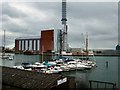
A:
x: 48, y: 29
x: 28, y: 38
x: 27, y: 79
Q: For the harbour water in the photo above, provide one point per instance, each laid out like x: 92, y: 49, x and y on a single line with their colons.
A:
x: 107, y: 68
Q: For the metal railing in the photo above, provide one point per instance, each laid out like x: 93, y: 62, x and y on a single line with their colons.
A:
x: 113, y: 85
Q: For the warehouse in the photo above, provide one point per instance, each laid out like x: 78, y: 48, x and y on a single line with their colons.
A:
x: 49, y: 41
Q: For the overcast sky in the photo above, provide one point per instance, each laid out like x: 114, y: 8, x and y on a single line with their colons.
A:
x: 99, y: 19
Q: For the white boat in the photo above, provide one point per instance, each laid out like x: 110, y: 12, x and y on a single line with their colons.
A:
x: 56, y: 69
x: 43, y: 70
x: 93, y: 64
x: 48, y: 71
x: 4, y: 56
x: 52, y: 63
x: 37, y: 63
x: 88, y: 67
x: 29, y: 69
x: 51, y: 70
x: 65, y: 67
x: 37, y: 66
x: 71, y: 66
x: 87, y: 62
x: 22, y: 68
x: 80, y: 66
x: 18, y: 67
x: 11, y: 57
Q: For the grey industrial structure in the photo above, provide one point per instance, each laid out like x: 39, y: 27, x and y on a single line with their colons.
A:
x: 118, y: 47
x: 49, y: 41
x: 65, y: 27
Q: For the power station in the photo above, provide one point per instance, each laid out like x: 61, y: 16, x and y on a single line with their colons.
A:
x: 54, y: 40
x: 49, y: 41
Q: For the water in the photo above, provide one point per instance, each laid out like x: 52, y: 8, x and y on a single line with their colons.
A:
x: 99, y: 73
x: 103, y: 72
x: 19, y: 58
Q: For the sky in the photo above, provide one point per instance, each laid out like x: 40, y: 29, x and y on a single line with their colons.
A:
x: 27, y: 19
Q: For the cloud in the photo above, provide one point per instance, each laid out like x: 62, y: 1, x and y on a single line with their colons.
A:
x: 29, y: 18
x: 98, y: 19
x: 8, y: 9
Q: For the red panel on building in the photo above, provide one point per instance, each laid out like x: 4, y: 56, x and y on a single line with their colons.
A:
x: 16, y: 45
x: 47, y: 40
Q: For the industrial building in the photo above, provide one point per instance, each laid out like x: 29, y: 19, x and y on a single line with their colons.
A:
x: 118, y: 47
x: 76, y: 51
x: 27, y: 44
x: 49, y: 41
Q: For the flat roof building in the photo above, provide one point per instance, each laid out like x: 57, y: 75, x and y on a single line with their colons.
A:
x: 49, y: 41
x: 24, y: 43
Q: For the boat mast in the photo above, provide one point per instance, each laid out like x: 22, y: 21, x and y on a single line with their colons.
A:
x: 4, y: 43
x: 86, y: 46
x: 83, y: 45
x: 42, y: 53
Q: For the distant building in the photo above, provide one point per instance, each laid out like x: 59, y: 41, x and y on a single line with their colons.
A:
x: 118, y: 47
x: 49, y: 41
x: 0, y: 49
x: 105, y: 52
x: 75, y: 51
x: 109, y: 52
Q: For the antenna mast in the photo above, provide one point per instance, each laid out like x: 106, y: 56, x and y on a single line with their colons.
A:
x: 64, y: 20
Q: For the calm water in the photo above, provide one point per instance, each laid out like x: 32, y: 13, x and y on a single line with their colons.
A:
x: 99, y: 73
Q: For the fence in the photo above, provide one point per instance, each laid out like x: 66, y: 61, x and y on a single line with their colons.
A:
x: 104, y: 87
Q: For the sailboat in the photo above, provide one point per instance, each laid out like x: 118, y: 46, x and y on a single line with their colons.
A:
x: 4, y: 56
x: 87, y: 61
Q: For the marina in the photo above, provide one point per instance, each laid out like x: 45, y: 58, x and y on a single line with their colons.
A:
x: 39, y: 53
x: 58, y: 66
x: 99, y: 73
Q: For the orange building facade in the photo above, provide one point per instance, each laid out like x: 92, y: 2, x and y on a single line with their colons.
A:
x: 47, y: 41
